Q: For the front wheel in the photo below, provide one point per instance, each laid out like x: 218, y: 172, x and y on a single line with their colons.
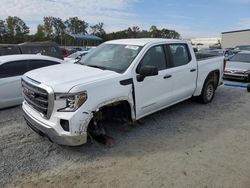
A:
x: 208, y: 92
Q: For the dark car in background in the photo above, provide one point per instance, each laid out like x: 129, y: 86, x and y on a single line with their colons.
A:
x: 9, y: 49
x: 44, y: 48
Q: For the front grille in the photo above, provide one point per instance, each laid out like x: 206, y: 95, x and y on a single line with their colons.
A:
x: 36, y: 97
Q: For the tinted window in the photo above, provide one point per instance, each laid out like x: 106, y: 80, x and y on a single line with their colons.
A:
x: 11, y: 69
x: 241, y: 57
x: 155, y: 56
x: 9, y: 50
x: 35, y: 64
x: 44, y: 50
x: 179, y: 54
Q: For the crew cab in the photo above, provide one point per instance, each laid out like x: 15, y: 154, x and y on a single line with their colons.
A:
x: 129, y: 78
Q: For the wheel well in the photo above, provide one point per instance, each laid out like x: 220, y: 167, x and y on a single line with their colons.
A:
x: 118, y: 108
x: 116, y: 111
x: 119, y: 112
x: 214, y: 75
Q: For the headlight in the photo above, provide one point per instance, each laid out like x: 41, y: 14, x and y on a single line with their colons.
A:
x: 73, y: 101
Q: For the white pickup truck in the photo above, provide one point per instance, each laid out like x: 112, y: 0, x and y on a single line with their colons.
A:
x: 124, y: 79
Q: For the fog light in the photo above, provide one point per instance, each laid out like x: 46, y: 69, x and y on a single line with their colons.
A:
x: 65, y: 124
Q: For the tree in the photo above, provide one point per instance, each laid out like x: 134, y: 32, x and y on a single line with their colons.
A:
x: 16, y: 29
x: 133, y: 32
x: 154, y: 32
x: 171, y: 34
x: 59, y: 29
x: 75, y: 25
x: 48, y: 26
x: 54, y: 28
x: 40, y: 34
x: 2, y: 30
x: 98, y: 30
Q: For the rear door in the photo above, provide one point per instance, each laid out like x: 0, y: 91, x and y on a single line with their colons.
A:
x: 183, y: 71
x: 10, y: 82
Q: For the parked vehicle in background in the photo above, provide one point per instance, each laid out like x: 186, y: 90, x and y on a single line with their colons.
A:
x: 218, y: 52
x: 12, y: 67
x: 122, y: 79
x: 195, y: 49
x: 242, y: 47
x: 222, y: 52
x: 43, y: 48
x: 238, y: 67
x: 66, y: 52
x: 75, y: 57
x: 9, y: 49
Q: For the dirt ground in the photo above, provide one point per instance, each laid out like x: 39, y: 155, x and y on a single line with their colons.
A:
x: 188, y: 145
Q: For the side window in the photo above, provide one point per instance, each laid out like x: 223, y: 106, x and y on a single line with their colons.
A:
x: 179, y: 54
x: 155, y: 56
x: 35, y: 64
x: 11, y: 69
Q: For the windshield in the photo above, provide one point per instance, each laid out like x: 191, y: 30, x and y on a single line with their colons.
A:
x: 241, y: 57
x: 115, y: 57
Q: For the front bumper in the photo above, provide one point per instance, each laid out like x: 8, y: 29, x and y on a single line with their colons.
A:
x: 47, y: 131
x: 241, y: 77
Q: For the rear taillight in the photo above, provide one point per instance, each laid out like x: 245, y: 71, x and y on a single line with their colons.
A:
x: 224, y: 64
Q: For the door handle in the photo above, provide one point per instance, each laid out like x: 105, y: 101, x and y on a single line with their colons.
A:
x: 192, y: 70
x: 167, y: 76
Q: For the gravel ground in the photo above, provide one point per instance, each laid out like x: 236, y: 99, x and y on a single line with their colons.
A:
x: 187, y: 145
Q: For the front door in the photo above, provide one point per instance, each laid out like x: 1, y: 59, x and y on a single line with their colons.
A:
x: 154, y: 92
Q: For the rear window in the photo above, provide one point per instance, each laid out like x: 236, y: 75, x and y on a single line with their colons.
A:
x: 241, y: 57
x: 14, y: 68
x: 179, y: 54
x: 35, y: 64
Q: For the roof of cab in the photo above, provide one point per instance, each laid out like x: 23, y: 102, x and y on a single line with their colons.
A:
x: 142, y: 41
x: 7, y: 58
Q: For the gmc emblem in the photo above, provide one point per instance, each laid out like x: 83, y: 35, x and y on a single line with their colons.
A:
x: 29, y: 93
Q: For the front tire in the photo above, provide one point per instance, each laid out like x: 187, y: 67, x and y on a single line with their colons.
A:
x: 208, y: 92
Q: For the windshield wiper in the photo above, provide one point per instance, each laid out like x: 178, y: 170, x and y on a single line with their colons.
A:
x: 97, y: 66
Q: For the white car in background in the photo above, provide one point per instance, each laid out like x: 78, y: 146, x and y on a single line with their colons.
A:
x: 12, y: 67
x: 75, y: 57
x: 238, y: 67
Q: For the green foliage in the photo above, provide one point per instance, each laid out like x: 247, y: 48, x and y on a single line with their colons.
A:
x: 98, y: 30
x: 75, y: 25
x: 14, y: 30
x: 135, y: 32
x: 40, y: 34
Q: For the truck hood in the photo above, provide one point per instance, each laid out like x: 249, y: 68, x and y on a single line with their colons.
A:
x: 235, y: 65
x: 65, y: 76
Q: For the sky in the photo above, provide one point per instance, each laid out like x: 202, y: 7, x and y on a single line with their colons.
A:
x: 191, y: 18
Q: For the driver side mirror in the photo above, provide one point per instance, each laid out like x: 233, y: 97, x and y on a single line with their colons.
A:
x: 146, y: 71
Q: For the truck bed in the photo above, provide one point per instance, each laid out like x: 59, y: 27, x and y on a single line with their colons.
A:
x: 202, y: 56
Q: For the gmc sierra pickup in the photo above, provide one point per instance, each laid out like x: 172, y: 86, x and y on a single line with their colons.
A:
x: 127, y: 79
